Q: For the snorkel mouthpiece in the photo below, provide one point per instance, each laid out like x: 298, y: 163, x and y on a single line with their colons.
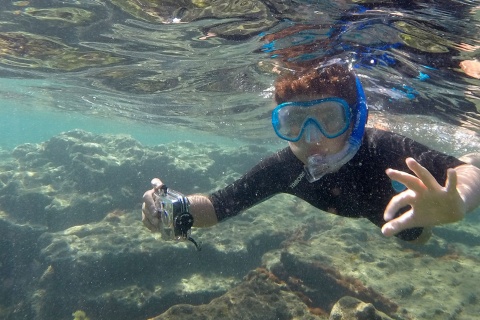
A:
x: 316, y: 168
x: 317, y: 165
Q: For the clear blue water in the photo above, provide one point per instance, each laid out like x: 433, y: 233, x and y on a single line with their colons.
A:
x: 22, y: 125
x: 108, y: 67
x: 28, y: 117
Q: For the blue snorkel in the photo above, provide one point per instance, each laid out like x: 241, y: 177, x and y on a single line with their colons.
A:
x: 319, y: 165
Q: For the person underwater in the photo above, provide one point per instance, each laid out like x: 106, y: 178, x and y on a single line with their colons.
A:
x: 337, y: 165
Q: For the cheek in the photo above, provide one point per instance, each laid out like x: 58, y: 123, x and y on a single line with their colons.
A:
x: 298, y: 150
x: 300, y: 145
x: 295, y: 146
x: 326, y: 146
x: 334, y: 145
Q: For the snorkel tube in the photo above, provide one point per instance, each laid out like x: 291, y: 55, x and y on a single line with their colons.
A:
x: 318, y: 165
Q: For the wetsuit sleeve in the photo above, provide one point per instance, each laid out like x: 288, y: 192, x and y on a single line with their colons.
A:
x: 260, y: 183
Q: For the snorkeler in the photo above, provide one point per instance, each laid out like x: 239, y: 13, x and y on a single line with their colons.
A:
x: 337, y: 165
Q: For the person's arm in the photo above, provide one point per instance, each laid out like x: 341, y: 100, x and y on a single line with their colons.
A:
x: 469, y: 185
x: 469, y: 180
x: 255, y: 186
x: 431, y: 203
x: 202, y: 211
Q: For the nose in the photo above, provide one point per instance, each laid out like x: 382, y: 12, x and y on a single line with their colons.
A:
x: 312, y: 133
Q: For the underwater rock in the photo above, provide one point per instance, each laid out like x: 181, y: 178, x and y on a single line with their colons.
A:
x: 321, y: 284
x: 18, y: 262
x: 257, y: 297
x: 81, y: 244
x: 349, y: 308
x: 78, y: 177
x: 119, y: 269
x: 333, y: 257
x: 83, y: 193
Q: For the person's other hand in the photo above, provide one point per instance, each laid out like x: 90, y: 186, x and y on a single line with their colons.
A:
x: 430, y: 203
x: 150, y: 216
x: 471, y: 68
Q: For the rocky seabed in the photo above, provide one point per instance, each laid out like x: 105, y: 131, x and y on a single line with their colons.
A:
x: 73, y: 245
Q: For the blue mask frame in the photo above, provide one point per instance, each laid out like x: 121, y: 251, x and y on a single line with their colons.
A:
x: 361, y: 115
x: 320, y: 165
x: 359, y: 111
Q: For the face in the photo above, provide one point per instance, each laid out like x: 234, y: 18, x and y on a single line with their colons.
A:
x: 304, y: 148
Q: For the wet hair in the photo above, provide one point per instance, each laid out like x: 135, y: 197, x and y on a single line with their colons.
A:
x: 335, y: 80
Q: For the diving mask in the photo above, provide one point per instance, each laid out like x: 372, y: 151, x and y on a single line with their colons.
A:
x: 318, y: 165
x: 331, y: 116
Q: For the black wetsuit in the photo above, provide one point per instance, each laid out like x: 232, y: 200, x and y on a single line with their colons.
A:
x: 359, y: 189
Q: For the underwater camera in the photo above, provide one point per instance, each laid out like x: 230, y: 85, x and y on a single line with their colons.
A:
x: 173, y: 210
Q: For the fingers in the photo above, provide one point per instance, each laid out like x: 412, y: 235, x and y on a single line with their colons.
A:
x: 149, y: 220
x: 405, y: 221
x: 418, y: 183
x: 149, y: 202
x: 424, y: 195
x: 156, y: 183
x: 146, y: 222
x: 397, y: 202
x: 150, y: 217
x: 149, y: 211
x: 451, y: 183
x: 410, y: 181
x: 428, y: 180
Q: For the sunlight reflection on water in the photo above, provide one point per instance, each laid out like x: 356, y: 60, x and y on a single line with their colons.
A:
x: 157, y: 75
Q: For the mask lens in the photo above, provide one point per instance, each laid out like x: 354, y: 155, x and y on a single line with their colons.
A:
x: 290, y: 122
x: 331, y: 116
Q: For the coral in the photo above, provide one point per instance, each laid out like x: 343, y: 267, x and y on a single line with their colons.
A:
x: 114, y: 216
x: 80, y: 315
x: 354, y: 309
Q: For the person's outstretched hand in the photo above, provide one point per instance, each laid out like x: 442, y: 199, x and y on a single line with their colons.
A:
x: 430, y: 203
x: 150, y: 217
